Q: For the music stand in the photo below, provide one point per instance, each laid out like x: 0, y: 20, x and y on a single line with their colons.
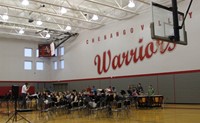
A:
x: 13, y: 117
x: 6, y: 99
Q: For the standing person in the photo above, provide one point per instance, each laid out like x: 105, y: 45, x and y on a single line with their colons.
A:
x: 140, y: 89
x: 94, y: 90
x: 151, y: 91
x: 24, y: 91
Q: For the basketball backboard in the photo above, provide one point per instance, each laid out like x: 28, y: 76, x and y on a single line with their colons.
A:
x: 162, y: 26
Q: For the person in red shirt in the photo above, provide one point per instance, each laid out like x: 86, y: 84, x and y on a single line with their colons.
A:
x: 89, y: 89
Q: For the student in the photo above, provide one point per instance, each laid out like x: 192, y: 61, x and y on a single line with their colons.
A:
x: 140, y: 89
x: 151, y: 90
x: 114, y: 90
x: 94, y: 90
x: 89, y: 90
x: 134, y: 93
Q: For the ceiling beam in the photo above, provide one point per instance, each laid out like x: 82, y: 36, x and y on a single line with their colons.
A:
x: 78, y: 9
x: 147, y: 3
x: 3, y: 34
x: 14, y: 16
x: 28, y: 26
x: 51, y: 14
x: 114, y: 7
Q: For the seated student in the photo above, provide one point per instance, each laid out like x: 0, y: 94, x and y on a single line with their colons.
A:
x: 114, y: 90
x: 89, y: 89
x: 134, y: 93
x: 151, y: 90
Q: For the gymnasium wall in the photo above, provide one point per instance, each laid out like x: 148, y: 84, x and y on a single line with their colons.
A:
x: 101, y: 58
x: 12, y: 61
x: 119, y: 54
x: 176, y: 88
x: 125, y: 48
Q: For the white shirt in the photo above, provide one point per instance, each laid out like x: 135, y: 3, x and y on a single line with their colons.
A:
x: 24, y: 89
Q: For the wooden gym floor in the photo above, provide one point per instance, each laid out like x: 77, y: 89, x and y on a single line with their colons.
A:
x: 171, y: 113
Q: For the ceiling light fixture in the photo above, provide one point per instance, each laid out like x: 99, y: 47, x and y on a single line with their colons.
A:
x: 95, y: 17
x: 21, y: 31
x: 131, y: 4
x: 39, y: 22
x: 68, y: 28
x: 47, y: 35
x: 63, y: 10
x: 25, y: 2
x: 5, y: 17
